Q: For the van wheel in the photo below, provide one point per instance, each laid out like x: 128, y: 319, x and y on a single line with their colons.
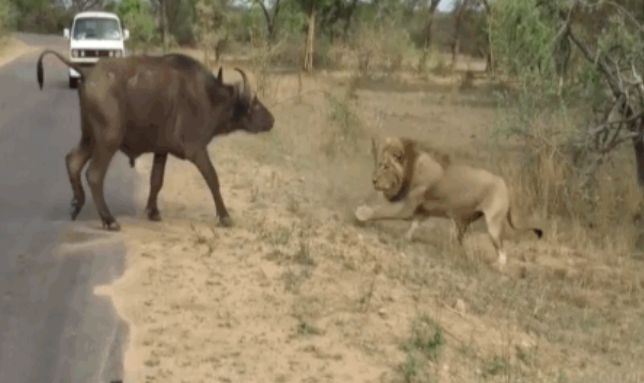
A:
x: 73, y: 83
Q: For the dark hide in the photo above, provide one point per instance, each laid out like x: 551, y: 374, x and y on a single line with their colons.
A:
x: 163, y: 105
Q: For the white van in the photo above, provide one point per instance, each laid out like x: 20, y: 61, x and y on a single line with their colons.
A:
x: 94, y: 35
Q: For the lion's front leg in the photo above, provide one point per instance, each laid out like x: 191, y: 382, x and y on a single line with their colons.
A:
x: 397, y: 210
x: 409, y: 235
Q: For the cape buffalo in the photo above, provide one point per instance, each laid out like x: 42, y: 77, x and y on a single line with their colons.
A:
x: 168, y: 104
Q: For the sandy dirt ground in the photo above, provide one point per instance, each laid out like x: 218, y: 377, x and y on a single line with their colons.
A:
x: 297, y: 292
x: 271, y: 300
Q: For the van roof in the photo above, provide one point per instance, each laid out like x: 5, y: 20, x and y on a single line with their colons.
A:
x: 105, y: 15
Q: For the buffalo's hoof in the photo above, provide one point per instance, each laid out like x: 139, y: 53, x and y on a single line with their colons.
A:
x: 111, y: 226
x: 75, y: 208
x: 226, y: 221
x: 73, y: 212
x: 154, y: 215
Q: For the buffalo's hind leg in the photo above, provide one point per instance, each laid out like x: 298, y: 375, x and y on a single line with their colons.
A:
x: 101, y: 158
x: 75, y: 161
x: 202, y: 161
x: 156, y: 182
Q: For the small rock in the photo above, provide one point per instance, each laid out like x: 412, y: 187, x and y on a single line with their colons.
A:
x: 382, y: 313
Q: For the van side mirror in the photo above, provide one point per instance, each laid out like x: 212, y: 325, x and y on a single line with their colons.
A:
x: 66, y: 33
x: 126, y: 34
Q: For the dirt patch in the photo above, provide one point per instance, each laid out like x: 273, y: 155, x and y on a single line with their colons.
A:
x: 12, y: 48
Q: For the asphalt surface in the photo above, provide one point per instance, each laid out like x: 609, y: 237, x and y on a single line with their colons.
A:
x: 53, y: 329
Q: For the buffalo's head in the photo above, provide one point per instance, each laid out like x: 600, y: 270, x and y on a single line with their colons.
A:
x: 249, y: 113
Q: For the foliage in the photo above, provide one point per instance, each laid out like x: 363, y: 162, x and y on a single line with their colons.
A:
x: 210, y: 27
x: 7, y: 17
x: 137, y: 17
x: 182, y: 22
x: 39, y: 16
x: 379, y: 46
x: 523, y: 36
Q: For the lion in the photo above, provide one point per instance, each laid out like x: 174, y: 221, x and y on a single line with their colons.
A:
x: 420, y: 182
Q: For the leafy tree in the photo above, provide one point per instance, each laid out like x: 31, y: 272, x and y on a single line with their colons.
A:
x: 270, y: 12
x: 533, y: 41
x: 311, y: 9
x: 210, y: 27
x: 35, y: 15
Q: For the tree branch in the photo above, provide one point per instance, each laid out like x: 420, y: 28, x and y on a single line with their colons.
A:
x: 626, y: 13
x: 598, y: 62
x: 264, y: 10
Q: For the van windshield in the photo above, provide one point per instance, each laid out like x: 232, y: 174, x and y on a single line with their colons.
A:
x: 96, y: 29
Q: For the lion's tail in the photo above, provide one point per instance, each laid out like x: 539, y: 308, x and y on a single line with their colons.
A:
x: 39, y: 68
x: 536, y: 230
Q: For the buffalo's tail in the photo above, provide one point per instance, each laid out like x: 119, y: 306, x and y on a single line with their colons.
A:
x: 39, y: 68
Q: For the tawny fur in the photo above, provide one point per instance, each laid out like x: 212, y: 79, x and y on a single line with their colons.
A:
x: 421, y: 182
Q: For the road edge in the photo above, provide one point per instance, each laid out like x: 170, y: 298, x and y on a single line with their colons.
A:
x: 13, y: 49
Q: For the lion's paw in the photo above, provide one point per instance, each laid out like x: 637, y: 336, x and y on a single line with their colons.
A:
x: 363, y: 213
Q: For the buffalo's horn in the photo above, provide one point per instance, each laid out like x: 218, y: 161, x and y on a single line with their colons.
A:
x: 245, y: 87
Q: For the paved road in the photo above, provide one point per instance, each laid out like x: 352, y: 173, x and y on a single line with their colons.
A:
x: 53, y: 329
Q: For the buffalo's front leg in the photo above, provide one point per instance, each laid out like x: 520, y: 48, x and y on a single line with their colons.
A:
x: 156, y: 182
x: 203, y: 163
x: 96, y: 172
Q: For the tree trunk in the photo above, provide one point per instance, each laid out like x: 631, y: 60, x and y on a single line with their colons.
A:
x: 456, y: 40
x: 489, y: 67
x: 164, y: 26
x: 638, y: 143
x: 271, y: 21
x: 638, y: 148
x: 310, y: 38
x: 427, y: 33
x: 348, y: 18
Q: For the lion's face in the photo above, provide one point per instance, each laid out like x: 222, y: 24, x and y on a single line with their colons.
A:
x: 389, y: 158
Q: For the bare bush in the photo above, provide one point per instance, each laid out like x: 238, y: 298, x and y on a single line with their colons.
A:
x: 262, y: 58
x: 374, y: 49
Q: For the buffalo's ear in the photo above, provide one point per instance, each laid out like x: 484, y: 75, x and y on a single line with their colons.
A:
x: 220, y: 76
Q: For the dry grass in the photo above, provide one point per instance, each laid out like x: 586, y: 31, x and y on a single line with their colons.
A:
x: 11, y: 48
x: 567, y: 309
x: 560, y: 289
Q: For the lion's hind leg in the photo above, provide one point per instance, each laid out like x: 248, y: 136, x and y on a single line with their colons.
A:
x: 463, y: 223
x: 495, y: 222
